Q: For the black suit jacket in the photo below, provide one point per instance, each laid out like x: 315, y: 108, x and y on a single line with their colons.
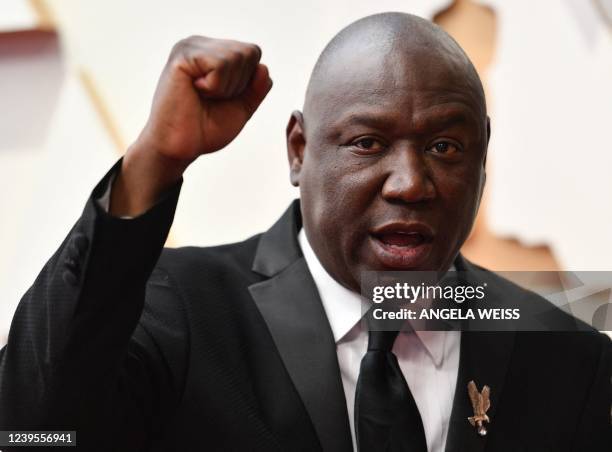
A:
x: 228, y: 348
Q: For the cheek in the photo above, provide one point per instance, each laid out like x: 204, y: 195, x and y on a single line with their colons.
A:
x: 336, y: 191
x: 339, y: 184
x: 459, y: 192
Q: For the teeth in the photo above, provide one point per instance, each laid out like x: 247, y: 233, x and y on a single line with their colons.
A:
x: 402, y: 238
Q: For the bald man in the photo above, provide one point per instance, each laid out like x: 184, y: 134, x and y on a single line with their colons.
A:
x: 259, y: 345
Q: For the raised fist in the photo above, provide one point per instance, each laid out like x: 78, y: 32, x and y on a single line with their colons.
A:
x: 207, y: 92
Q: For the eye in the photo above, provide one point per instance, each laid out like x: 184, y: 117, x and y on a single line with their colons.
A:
x: 368, y: 144
x: 445, y: 148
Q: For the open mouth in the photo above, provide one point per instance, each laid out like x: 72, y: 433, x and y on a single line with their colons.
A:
x: 402, y: 239
x: 402, y: 246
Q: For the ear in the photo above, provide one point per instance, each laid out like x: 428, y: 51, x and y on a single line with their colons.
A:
x: 484, y: 163
x: 483, y: 174
x: 296, y: 143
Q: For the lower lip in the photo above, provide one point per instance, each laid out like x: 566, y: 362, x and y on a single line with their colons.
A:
x: 401, y: 257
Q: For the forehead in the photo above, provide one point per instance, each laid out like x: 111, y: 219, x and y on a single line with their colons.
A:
x: 417, y: 84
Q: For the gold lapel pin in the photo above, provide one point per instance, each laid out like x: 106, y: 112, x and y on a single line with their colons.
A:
x: 480, y: 403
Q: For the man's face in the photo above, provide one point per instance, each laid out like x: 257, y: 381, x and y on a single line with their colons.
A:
x: 389, y: 157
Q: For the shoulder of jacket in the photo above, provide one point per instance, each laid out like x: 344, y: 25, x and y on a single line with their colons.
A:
x: 179, y: 264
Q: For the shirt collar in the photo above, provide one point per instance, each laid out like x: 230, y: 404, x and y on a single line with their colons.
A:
x: 344, y: 308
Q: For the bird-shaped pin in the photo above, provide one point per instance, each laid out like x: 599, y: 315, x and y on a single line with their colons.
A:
x: 480, y: 404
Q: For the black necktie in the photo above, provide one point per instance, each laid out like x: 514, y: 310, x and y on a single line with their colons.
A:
x: 386, y: 415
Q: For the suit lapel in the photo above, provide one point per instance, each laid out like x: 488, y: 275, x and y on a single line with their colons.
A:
x: 484, y: 358
x: 290, y: 305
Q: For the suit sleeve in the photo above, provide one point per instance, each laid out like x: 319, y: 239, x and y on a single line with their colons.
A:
x: 595, y: 426
x: 81, y: 354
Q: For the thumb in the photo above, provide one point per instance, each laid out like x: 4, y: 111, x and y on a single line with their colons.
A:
x: 256, y: 91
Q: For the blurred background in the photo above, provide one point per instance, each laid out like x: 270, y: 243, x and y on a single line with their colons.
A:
x: 77, y: 78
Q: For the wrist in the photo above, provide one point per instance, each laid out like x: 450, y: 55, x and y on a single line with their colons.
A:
x: 147, y: 161
x: 144, y: 176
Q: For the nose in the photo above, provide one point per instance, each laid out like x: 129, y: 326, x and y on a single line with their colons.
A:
x: 408, y: 179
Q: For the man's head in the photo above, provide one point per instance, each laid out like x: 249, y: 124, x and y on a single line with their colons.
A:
x: 389, y: 152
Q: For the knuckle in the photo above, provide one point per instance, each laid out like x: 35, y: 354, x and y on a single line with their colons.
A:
x: 190, y: 41
x: 254, y: 50
x: 175, y: 64
x: 223, y: 62
x: 238, y: 57
x: 175, y: 59
x: 185, y: 42
x: 177, y: 54
x: 195, y: 38
x: 250, y: 52
x: 177, y: 48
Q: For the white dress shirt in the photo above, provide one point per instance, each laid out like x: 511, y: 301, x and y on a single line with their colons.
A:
x: 429, y: 360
